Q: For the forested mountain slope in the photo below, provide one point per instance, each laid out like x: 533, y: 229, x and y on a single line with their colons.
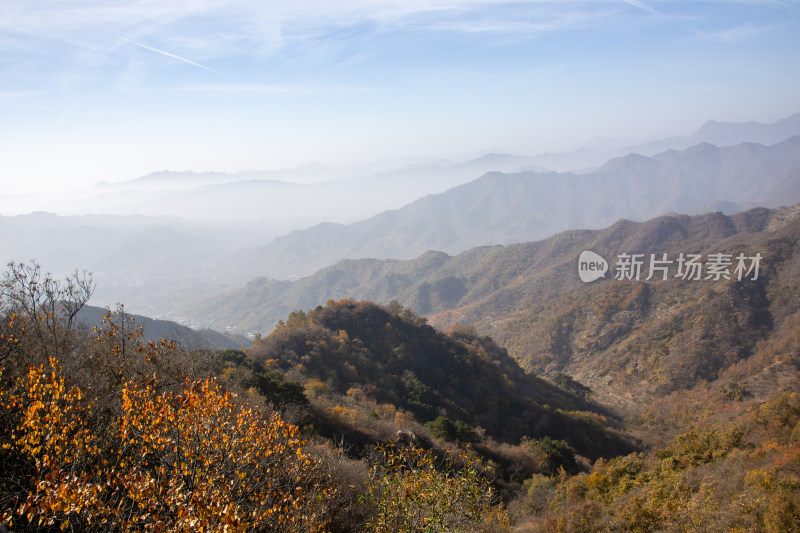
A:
x: 393, y: 356
x: 626, y: 339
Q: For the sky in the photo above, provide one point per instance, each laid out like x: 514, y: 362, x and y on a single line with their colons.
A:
x: 115, y: 89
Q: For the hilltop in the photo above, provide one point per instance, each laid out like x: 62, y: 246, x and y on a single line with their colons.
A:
x: 392, y: 356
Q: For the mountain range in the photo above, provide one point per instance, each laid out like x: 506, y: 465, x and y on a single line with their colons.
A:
x: 724, y: 134
x: 156, y: 264
x: 628, y: 340
x: 501, y: 208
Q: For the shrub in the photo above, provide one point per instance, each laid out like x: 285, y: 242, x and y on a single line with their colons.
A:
x: 452, y: 430
x: 169, y: 462
x: 412, y: 493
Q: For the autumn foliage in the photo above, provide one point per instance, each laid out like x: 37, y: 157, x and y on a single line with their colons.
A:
x: 103, y: 430
x: 414, y: 491
x: 742, y: 476
x: 193, y: 461
x: 133, y: 448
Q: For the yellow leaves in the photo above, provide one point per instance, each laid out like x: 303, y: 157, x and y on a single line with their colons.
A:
x: 314, y: 388
x: 193, y: 461
x: 416, y: 491
x: 50, y: 423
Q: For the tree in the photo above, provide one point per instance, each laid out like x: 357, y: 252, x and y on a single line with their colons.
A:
x: 415, y: 492
x: 193, y: 461
x: 452, y: 430
x: 571, y: 385
x: 553, y: 454
x: 43, y: 308
x: 104, y: 430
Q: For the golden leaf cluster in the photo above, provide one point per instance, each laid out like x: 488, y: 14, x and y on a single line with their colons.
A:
x: 190, y: 461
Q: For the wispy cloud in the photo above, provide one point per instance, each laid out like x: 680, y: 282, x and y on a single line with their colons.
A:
x: 734, y: 34
x: 243, y: 88
x: 250, y: 26
x: 241, y: 23
x: 642, y: 6
x: 168, y: 54
x: 65, y: 39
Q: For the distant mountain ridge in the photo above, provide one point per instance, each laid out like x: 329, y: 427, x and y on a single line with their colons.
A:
x: 723, y: 134
x: 155, y: 330
x: 503, y: 208
x: 271, y: 198
x: 436, y: 282
x: 728, y: 133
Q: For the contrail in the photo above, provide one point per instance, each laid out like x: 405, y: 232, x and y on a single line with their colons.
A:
x: 162, y: 52
x: 642, y: 6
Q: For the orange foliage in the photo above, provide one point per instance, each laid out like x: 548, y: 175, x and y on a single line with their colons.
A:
x: 194, y: 461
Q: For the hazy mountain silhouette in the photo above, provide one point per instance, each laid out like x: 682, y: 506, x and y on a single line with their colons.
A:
x: 503, y: 208
x: 723, y: 134
x: 155, y: 330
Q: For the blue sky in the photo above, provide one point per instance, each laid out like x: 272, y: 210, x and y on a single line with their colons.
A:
x: 112, y: 90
